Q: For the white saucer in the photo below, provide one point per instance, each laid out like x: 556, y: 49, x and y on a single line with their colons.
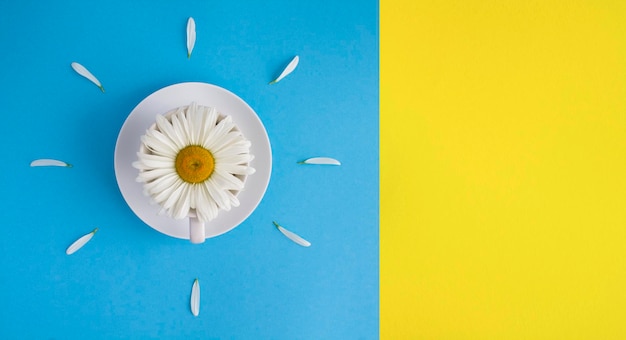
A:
x: 168, y: 98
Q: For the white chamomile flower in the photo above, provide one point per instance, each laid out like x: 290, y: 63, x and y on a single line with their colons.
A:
x: 194, y: 160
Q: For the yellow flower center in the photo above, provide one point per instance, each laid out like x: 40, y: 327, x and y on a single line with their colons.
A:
x: 194, y: 164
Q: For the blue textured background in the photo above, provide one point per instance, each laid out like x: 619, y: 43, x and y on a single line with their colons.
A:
x: 133, y: 282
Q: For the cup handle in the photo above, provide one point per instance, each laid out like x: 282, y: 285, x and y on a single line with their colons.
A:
x: 196, y: 230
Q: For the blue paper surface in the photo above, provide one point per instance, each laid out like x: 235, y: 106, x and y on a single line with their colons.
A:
x: 131, y: 281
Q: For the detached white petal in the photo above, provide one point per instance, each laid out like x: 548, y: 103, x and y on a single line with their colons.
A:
x: 292, y: 66
x: 49, y: 162
x: 80, y: 69
x: 80, y: 242
x: 195, y: 298
x: 321, y: 160
x: 191, y: 36
x: 292, y: 236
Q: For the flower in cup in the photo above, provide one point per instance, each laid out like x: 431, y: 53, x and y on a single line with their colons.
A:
x: 193, y: 159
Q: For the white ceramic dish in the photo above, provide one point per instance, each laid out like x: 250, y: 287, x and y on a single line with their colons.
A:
x: 163, y: 100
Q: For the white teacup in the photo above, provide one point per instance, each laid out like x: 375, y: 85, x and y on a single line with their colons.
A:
x: 197, y: 228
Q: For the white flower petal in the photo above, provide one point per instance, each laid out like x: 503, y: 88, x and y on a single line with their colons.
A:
x: 206, y: 208
x: 155, y: 161
x: 235, y: 159
x: 139, y: 165
x: 227, y: 180
x: 321, y: 160
x: 193, y: 195
x: 80, y: 69
x: 226, y: 187
x: 219, y: 196
x: 293, y: 236
x: 239, y: 148
x: 160, y: 184
x: 195, y: 298
x: 156, y: 158
x: 290, y: 67
x: 234, y: 201
x: 156, y: 142
x: 217, y: 132
x: 236, y: 169
x: 191, y: 36
x: 188, y: 122
x: 209, y: 122
x: 166, y: 128
x: 227, y: 195
x: 181, y: 206
x: 227, y: 140
x: 197, y: 123
x: 174, y: 196
x: 49, y: 162
x: 179, y: 129
x: 155, y: 174
x: 167, y: 193
x: 80, y: 242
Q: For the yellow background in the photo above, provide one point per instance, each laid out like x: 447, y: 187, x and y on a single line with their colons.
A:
x: 503, y: 147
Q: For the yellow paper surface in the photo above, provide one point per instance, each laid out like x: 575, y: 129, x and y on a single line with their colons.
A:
x: 503, y: 165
